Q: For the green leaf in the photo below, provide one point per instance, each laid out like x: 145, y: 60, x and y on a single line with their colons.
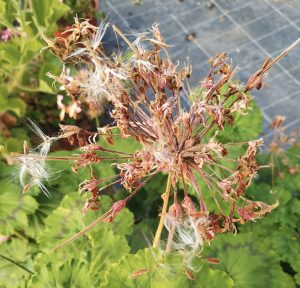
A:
x: 14, y: 207
x: 213, y: 279
x: 242, y: 259
x: 150, y: 268
x: 15, y: 262
x: 12, y: 145
x: 3, y: 98
x: 67, y: 220
x: 129, y: 145
x: 17, y: 105
x: 64, y: 180
x: 245, y: 127
x: 41, y: 11
x: 10, y: 52
x: 73, y: 273
x: 2, y: 8
x: 296, y: 267
x: 44, y: 87
x: 268, y: 194
x: 31, y: 49
x: 45, y: 207
x: 46, y: 13
x: 83, y: 261
x: 155, y: 275
x: 7, y: 12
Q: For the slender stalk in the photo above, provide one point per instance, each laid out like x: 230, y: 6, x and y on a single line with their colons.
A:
x: 63, y: 158
x: 163, y: 213
x: 108, y: 185
x: 17, y: 264
x: 101, y: 218
x: 286, y: 51
x: 273, y: 169
x: 83, y: 231
x: 97, y: 121
x: 54, y: 158
x: 117, y: 30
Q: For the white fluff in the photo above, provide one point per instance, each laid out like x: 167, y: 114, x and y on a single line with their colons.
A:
x: 96, y: 41
x: 187, y: 234
x: 44, y: 147
x: 33, y: 170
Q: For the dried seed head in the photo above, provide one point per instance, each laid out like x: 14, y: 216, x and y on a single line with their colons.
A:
x: 146, y: 91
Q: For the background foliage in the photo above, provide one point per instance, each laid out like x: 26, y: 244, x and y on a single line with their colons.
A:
x: 262, y: 254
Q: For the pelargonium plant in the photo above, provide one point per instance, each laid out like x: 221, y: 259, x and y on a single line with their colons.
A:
x: 177, y: 130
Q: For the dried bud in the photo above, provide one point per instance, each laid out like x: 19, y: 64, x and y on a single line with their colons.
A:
x: 208, y: 83
x: 116, y: 208
x: 277, y: 121
x: 175, y: 211
x: 188, y: 205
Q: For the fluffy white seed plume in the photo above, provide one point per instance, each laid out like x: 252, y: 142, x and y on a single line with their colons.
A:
x: 78, y: 52
x: 97, y: 40
x: 95, y: 86
x: 44, y: 147
x: 187, y: 234
x: 188, y: 237
x: 33, y: 170
x: 140, y: 41
x: 98, y: 86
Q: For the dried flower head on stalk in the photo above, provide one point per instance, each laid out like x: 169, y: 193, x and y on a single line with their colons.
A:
x: 277, y: 146
x: 146, y: 91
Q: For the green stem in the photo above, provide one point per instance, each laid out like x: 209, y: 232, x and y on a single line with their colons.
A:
x: 97, y: 121
x: 16, y: 79
x: 17, y: 264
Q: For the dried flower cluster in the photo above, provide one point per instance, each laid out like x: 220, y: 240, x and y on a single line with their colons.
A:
x: 281, y: 140
x: 277, y: 146
x: 177, y: 129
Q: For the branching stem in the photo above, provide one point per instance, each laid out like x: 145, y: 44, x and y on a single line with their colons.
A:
x: 163, y: 213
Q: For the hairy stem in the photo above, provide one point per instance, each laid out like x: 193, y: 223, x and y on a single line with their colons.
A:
x: 163, y: 213
x: 102, y: 218
x: 83, y: 231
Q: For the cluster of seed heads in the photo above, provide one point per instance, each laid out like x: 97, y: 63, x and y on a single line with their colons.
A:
x: 177, y: 130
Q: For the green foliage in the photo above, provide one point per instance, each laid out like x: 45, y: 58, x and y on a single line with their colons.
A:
x: 245, y: 128
x: 157, y: 270
x: 243, y: 260
x: 14, y: 210
x: 22, y: 65
x: 20, y: 56
x: 84, y: 261
x: 25, y: 89
x: 80, y: 6
x: 147, y: 261
x: 262, y: 254
x: 15, y: 262
x: 279, y: 233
